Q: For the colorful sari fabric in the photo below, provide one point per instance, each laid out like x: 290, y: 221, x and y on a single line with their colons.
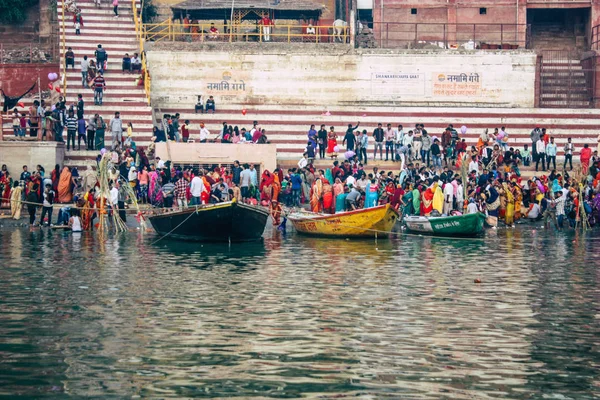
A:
x: 5, y: 189
x: 64, y: 186
x: 55, y: 179
x: 331, y: 143
x: 276, y: 187
x: 15, y: 202
x: 509, y: 216
x: 316, y: 195
x: 327, y: 197
x: 438, y: 199
x: 338, y: 188
x: 396, y: 198
x: 416, y: 200
x: 340, y: 202
x: 427, y: 202
x: 407, y: 199
x: 371, y: 196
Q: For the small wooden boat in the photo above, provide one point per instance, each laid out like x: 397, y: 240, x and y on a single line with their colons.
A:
x: 462, y: 225
x: 368, y: 222
x: 222, y: 222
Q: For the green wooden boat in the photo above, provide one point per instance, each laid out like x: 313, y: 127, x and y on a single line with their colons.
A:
x: 462, y: 225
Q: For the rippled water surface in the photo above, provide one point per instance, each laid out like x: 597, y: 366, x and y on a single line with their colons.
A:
x: 300, y: 317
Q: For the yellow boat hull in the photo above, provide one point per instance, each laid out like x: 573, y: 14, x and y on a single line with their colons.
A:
x: 369, y: 222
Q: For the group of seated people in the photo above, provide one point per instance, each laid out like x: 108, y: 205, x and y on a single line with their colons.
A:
x: 202, y: 106
x: 132, y: 64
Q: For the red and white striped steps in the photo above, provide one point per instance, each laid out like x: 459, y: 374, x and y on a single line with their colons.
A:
x: 117, y: 36
x: 287, y: 126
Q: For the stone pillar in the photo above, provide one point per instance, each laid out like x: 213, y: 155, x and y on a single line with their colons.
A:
x: 451, y: 26
x: 45, y: 26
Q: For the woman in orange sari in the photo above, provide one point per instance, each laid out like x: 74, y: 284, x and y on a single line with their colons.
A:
x: 427, y: 202
x: 327, y: 196
x: 316, y: 194
x: 276, y: 188
x: 205, y: 195
x: 64, y: 186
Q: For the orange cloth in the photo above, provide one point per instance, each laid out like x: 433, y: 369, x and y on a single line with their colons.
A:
x: 64, y: 186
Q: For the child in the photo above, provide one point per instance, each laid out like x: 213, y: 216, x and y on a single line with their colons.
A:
x: 77, y: 28
x: 16, y: 123
x: 23, y: 124
x: 310, y: 151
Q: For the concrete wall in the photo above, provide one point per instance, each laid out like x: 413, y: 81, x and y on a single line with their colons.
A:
x: 329, y: 76
x: 263, y: 155
x: 17, y: 154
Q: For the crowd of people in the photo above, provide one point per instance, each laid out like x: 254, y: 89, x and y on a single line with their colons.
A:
x: 445, y: 176
x: 435, y: 176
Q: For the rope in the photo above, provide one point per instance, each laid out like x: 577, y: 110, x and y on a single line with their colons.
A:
x: 184, y: 221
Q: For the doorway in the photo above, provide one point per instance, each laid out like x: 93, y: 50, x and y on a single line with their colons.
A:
x: 559, y: 28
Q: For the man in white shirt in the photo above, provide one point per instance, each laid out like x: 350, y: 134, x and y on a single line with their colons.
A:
x: 84, y: 71
x: 540, y: 146
x: 245, y: 182
x: 474, y: 165
x: 303, y: 161
x: 196, y: 189
x: 448, y: 198
x: 114, y: 197
x: 203, y: 133
x: 351, y: 180
x: 406, y: 141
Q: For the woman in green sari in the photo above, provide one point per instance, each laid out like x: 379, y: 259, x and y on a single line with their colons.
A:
x: 407, y: 200
x: 416, y: 198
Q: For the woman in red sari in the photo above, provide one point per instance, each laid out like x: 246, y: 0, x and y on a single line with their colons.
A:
x: 55, y: 176
x: 331, y: 143
x: 266, y: 186
x: 5, y: 189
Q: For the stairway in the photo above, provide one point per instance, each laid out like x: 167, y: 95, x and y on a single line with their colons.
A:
x: 553, y: 37
x: 117, y: 36
x: 563, y: 81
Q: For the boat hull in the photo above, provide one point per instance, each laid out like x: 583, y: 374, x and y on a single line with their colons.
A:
x: 369, y: 222
x: 463, y: 225
x: 213, y: 223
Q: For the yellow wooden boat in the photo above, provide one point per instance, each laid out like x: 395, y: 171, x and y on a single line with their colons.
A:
x: 368, y: 222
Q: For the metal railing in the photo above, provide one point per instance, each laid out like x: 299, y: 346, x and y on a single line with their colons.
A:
x: 595, y: 38
x: 174, y: 31
x: 64, y: 52
x: 141, y: 37
x: 446, y: 36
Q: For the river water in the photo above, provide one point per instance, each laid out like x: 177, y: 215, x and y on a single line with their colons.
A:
x: 291, y: 317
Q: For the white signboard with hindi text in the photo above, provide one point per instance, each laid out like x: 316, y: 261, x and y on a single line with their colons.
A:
x: 397, y: 83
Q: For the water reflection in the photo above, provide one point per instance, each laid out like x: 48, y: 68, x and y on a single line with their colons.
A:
x: 294, y: 316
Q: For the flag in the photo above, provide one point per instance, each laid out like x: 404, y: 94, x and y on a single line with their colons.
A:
x: 11, y: 102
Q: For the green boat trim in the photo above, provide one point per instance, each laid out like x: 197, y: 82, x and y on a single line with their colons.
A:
x: 461, y: 225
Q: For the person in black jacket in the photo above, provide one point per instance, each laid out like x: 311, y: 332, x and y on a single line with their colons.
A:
x: 322, y: 141
x: 32, y: 203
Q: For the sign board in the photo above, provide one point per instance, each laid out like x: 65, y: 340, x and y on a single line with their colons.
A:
x: 456, y: 84
x: 397, y: 83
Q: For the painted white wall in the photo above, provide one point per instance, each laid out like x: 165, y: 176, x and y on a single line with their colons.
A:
x: 326, y: 77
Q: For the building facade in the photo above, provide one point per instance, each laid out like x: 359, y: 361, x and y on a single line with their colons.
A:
x: 543, y: 24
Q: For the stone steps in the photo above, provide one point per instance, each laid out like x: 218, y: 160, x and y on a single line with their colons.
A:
x: 117, y: 36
